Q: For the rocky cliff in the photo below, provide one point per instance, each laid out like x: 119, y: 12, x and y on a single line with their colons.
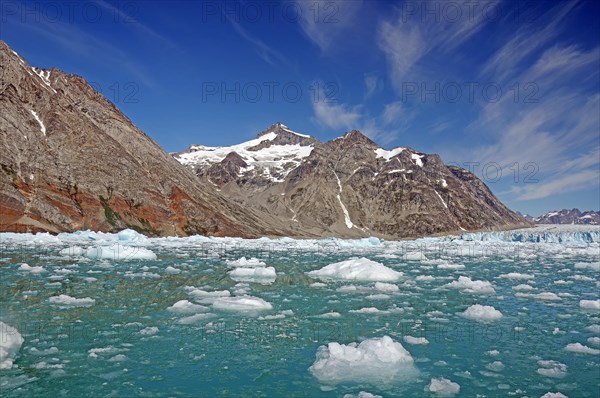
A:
x: 70, y: 160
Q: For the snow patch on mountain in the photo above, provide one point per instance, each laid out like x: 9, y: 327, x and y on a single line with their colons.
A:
x: 274, y: 159
x: 387, y: 155
x: 42, y: 127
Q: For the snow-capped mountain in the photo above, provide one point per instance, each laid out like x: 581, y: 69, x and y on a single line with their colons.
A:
x: 349, y: 186
x: 566, y: 216
x: 269, y: 158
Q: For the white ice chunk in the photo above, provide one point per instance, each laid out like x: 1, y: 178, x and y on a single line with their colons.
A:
x: 482, y: 313
x: 242, y: 304
x: 552, y: 369
x: 149, y: 331
x: 243, y: 262
x: 10, y: 344
x: 119, y: 252
x: 590, y: 304
x: 516, y: 276
x: 34, y: 270
x: 443, y: 387
x: 184, y: 306
x: 416, y: 340
x: 362, y: 394
x: 262, y: 275
x: 360, y: 269
x: 373, y: 360
x: 65, y: 301
x: 468, y: 285
x: 593, y: 266
x: 581, y: 349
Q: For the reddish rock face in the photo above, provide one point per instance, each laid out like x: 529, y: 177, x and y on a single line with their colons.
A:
x: 85, y: 165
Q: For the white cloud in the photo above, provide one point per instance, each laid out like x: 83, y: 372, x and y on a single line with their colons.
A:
x: 264, y: 51
x: 392, y: 112
x: 563, y: 184
x: 336, y: 116
x: 382, y: 128
x: 407, y: 40
x: 325, y: 22
x: 372, y: 84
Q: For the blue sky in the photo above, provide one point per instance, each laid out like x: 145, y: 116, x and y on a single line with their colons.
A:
x: 508, y: 89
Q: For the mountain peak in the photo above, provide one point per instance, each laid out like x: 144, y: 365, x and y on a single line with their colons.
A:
x: 280, y: 129
x: 356, y: 137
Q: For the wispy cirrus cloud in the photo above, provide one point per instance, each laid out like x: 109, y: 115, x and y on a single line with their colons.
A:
x: 382, y: 127
x: 268, y: 54
x: 325, y: 22
x: 409, y: 37
x: 557, y: 126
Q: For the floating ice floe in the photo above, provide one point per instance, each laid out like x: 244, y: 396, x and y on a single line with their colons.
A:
x: 416, y: 340
x: 593, y: 328
x: 362, y: 394
x: 594, y: 340
x: 374, y: 360
x: 443, y: 387
x: 549, y: 296
x: 386, y: 287
x: 149, y: 331
x: 590, y: 304
x: 184, y: 306
x: 188, y: 320
x: 119, y: 253
x: 242, y: 304
x: 517, y: 276
x: 329, y: 315
x: 41, y: 353
x: 172, y: 270
x: 595, y: 266
x: 552, y: 369
x: 523, y: 287
x: 467, y: 285
x: 264, y: 275
x: 66, y: 301
x: 581, y: 349
x: 205, y: 297
x: 450, y: 266
x: 10, y: 344
x: 554, y: 395
x: 34, y: 270
x: 243, y: 262
x: 93, y: 352
x: 482, y: 313
x: 358, y: 269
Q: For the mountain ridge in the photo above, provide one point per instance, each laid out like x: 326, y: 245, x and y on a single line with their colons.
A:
x: 72, y: 160
x: 566, y: 216
x: 286, y: 186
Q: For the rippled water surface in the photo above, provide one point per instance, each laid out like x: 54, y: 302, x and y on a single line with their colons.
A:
x: 97, y: 318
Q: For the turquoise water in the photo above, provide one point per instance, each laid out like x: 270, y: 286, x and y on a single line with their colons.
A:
x: 129, y: 344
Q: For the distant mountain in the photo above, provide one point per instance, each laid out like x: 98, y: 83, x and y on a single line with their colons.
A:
x: 349, y: 186
x: 566, y: 216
